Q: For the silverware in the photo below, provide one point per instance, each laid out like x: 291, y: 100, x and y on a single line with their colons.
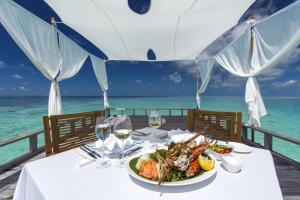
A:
x: 131, y: 151
x: 140, y: 133
x: 90, y: 152
x: 216, y: 141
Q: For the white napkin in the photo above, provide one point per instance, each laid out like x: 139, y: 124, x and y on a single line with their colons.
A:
x: 147, y: 131
x: 185, y: 136
x: 176, y: 132
x: 112, y: 142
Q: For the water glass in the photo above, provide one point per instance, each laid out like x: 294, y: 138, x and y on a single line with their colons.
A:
x: 102, y: 130
x: 154, y: 120
x: 122, y: 131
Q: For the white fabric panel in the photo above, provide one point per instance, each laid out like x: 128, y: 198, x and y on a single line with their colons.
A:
x: 54, y: 100
x: 255, y: 103
x: 99, y: 67
x: 276, y: 37
x: 236, y: 58
x: 205, y: 68
x: 38, y: 40
x: 73, y: 57
x: 59, y: 178
x: 174, y: 30
x: 205, y: 22
x: 271, y: 46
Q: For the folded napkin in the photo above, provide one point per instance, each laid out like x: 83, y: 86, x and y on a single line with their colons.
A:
x: 112, y: 143
x: 185, y: 136
x: 176, y: 132
x: 147, y: 131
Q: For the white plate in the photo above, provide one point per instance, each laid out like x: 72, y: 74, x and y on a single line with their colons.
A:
x: 240, y: 148
x: 206, y: 175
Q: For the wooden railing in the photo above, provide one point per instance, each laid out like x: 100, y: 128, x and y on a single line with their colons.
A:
x: 33, y: 148
x: 144, y: 111
x: 249, y: 133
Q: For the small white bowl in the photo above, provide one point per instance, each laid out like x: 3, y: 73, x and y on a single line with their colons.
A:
x: 219, y: 156
x: 232, y: 163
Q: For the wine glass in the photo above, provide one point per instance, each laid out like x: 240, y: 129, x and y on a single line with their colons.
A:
x: 154, y: 120
x: 122, y: 131
x: 102, y: 130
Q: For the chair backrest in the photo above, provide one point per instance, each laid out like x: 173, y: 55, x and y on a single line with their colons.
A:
x: 222, y: 125
x: 64, y: 132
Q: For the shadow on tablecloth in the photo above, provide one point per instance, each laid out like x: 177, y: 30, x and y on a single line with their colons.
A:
x: 174, y: 189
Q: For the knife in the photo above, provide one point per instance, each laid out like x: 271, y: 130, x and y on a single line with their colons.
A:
x: 131, y: 151
x: 89, y: 152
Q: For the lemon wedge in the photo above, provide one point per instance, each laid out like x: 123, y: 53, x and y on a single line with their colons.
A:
x: 205, y: 163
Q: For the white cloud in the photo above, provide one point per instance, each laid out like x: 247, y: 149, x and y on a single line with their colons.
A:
x: 218, y: 80
x: 297, y: 69
x: 23, y: 88
x: 2, y: 89
x: 138, y: 81
x: 175, y: 77
x: 285, y: 84
x: 17, y: 77
x: 2, y: 64
x: 187, y: 66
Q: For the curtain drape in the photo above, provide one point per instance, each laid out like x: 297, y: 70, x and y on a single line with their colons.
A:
x: 99, y: 67
x: 204, y: 68
x: 39, y: 41
x: 274, y: 38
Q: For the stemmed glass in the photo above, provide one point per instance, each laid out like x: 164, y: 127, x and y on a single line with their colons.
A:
x: 122, y: 131
x: 102, y: 130
x: 154, y: 120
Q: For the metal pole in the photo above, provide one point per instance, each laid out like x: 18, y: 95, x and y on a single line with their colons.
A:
x: 197, y: 82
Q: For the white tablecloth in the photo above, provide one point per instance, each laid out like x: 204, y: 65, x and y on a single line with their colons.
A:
x: 57, y: 177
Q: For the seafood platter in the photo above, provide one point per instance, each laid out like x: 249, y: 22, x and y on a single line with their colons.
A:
x: 178, y: 164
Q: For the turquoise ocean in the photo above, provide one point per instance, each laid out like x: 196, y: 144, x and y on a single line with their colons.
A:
x: 20, y: 115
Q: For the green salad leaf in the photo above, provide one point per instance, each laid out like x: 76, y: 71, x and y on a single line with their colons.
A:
x: 162, y: 153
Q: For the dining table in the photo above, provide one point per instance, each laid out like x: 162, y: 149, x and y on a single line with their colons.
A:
x: 58, y: 177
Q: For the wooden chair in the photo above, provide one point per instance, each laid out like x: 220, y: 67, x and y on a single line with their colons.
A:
x: 64, y: 132
x: 222, y: 125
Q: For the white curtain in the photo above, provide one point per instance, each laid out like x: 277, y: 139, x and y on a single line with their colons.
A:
x: 99, y: 67
x: 274, y: 39
x: 204, y: 68
x: 236, y: 58
x: 39, y: 41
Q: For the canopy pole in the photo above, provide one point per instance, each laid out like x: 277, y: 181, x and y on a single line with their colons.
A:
x: 253, y: 20
x: 197, y: 83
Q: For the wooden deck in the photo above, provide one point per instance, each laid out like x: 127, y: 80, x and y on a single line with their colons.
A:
x: 289, y: 176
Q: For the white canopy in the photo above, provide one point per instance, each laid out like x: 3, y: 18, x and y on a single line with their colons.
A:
x: 173, y: 29
x: 273, y: 40
x: 55, y: 55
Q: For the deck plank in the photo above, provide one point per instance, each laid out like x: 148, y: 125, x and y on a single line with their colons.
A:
x: 288, y: 176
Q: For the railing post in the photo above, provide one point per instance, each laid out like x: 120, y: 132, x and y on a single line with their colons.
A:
x: 268, y: 141
x: 252, y: 135
x: 245, y: 133
x: 181, y: 112
x: 133, y: 112
x: 145, y: 112
x: 33, y: 143
x: 170, y: 112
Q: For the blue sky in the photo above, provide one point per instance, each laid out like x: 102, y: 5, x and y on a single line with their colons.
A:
x: 18, y: 77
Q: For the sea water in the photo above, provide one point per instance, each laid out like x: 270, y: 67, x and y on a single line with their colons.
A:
x: 20, y: 115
